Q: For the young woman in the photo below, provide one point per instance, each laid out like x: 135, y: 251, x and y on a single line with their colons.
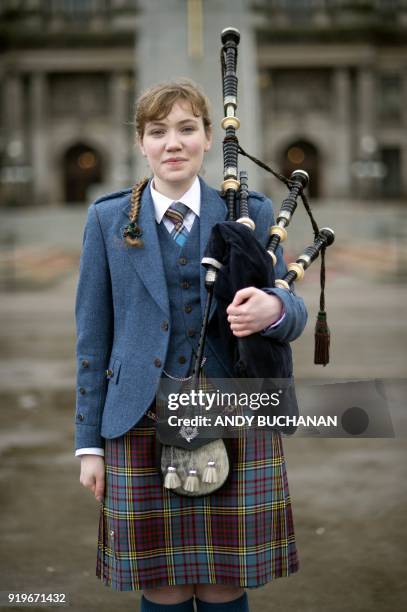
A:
x: 139, y: 311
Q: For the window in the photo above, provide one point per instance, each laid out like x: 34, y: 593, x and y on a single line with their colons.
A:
x: 391, y: 184
x: 389, y: 97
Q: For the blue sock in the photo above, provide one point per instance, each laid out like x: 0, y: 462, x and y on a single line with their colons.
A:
x: 241, y: 604
x: 150, y: 606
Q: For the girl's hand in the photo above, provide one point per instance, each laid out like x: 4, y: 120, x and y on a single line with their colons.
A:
x: 93, y: 475
x: 252, y: 310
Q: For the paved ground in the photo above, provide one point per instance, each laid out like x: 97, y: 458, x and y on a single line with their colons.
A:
x: 349, y: 495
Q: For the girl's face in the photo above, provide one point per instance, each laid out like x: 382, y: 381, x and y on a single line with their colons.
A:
x: 175, y: 148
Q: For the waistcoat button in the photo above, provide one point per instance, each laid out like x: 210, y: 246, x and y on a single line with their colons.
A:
x: 81, y: 417
x: 164, y: 325
x: 188, y: 308
x: 82, y: 391
x: 191, y: 333
x: 182, y: 261
x: 109, y: 373
x: 182, y: 359
x: 157, y: 362
x: 185, y: 285
x: 85, y: 363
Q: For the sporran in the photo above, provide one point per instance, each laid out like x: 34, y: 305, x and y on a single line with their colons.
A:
x: 194, y: 465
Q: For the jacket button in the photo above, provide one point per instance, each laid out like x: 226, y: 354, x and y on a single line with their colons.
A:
x: 85, y: 363
x: 191, y: 333
x: 188, y: 308
x: 183, y: 261
x: 157, y: 362
x: 182, y: 359
x: 81, y: 417
x: 82, y: 391
x: 185, y: 285
x: 109, y: 373
x: 164, y: 325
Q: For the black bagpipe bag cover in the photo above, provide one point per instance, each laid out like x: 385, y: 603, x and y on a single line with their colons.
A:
x: 245, y: 263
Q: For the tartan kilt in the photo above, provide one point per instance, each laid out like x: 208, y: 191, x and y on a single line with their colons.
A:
x: 242, y: 535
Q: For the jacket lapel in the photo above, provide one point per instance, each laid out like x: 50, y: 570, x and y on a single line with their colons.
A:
x: 148, y: 260
x: 213, y: 210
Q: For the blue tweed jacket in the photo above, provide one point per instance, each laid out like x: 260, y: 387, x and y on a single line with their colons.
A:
x: 122, y: 311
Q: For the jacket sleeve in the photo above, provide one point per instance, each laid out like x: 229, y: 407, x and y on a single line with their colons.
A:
x: 293, y: 324
x: 94, y: 325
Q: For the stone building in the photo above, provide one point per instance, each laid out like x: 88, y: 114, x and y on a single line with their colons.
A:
x: 68, y: 81
x: 333, y: 79
x: 323, y: 85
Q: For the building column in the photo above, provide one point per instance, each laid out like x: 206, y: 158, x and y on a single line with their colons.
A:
x: 189, y: 46
x: 340, y: 172
x: 119, y: 169
x: 14, y: 118
x: 367, y: 148
x: 366, y: 97
x: 14, y: 173
x: 39, y: 163
x: 403, y: 142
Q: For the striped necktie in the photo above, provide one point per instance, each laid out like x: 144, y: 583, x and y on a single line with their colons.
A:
x: 176, y: 213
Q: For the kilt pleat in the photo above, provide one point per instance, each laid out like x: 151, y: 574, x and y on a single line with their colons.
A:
x: 241, y: 535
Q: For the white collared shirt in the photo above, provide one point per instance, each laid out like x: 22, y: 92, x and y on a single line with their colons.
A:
x: 191, y: 198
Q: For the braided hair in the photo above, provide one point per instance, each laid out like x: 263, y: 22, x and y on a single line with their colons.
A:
x: 133, y: 232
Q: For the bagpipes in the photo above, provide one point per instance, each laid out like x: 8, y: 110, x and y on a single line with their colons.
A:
x: 235, y: 259
x: 191, y: 465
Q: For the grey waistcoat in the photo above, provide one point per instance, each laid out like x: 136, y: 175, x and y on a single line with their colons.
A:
x: 181, y: 268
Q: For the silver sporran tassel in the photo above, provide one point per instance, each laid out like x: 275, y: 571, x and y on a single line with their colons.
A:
x: 210, y: 476
x: 172, y: 480
x: 192, y: 481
